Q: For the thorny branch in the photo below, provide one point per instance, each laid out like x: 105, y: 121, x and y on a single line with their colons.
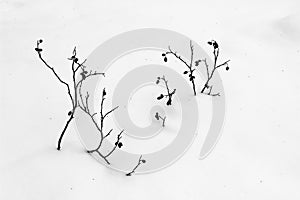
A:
x: 190, y: 70
x: 169, y: 94
x: 73, y: 95
x: 85, y: 108
x: 138, y: 164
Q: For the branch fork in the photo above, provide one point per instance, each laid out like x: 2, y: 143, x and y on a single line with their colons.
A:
x: 140, y: 161
x: 158, y: 117
x: 76, y: 83
x: 169, y: 94
x: 100, y: 127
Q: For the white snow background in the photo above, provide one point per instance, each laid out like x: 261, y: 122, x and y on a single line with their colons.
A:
x: 258, y: 155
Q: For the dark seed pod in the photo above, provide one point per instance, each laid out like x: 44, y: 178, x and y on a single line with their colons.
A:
x: 215, y: 45
x: 120, y: 144
x: 156, y: 116
x: 160, y: 97
x: 169, y: 102
x: 104, y: 92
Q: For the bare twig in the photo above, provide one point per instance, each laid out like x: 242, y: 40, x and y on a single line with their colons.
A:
x: 117, y: 144
x: 157, y: 117
x: 169, y: 94
x: 75, y: 66
x: 190, y: 70
x: 215, y: 66
x: 85, y: 108
x: 138, y: 164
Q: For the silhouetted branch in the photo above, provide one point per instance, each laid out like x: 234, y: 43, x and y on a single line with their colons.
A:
x: 157, y: 117
x: 85, y: 108
x: 190, y: 70
x: 75, y: 66
x: 215, y: 66
x: 169, y: 94
x: 117, y: 144
x: 138, y: 164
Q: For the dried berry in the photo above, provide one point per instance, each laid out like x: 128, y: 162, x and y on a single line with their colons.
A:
x: 120, y: 144
x: 160, y: 97
x: 169, y: 102
x: 156, y: 116
x: 38, y: 49
x: 215, y: 44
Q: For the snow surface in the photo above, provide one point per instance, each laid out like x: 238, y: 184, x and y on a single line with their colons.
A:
x: 258, y: 154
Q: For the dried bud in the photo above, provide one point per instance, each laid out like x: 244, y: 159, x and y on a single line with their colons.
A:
x: 169, y: 102
x: 227, y: 68
x: 156, y: 116
x: 104, y: 92
x: 143, y: 161
x: 70, y: 113
x: 38, y: 49
x: 185, y: 72
x: 160, y: 97
x: 215, y: 44
x: 165, y: 59
x: 120, y: 144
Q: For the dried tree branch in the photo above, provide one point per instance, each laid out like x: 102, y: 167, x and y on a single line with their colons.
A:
x: 75, y: 66
x: 117, y: 144
x: 85, y: 108
x: 191, y: 69
x: 215, y: 66
x: 169, y: 94
x: 138, y: 164
x: 157, y: 117
x: 189, y: 66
